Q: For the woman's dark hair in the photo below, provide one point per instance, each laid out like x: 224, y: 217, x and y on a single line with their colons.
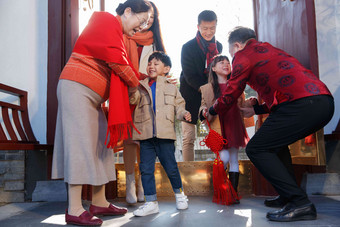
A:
x: 137, y: 6
x: 241, y: 34
x: 213, y: 79
x: 207, y: 15
x: 156, y: 30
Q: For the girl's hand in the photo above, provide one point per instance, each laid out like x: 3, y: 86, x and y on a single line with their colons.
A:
x: 247, y: 111
x: 250, y: 102
x: 205, y: 113
x: 187, y: 117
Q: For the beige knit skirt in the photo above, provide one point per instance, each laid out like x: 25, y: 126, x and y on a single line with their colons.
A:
x: 80, y: 155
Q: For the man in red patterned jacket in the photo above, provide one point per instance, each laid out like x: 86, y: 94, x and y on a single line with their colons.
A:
x: 298, y: 104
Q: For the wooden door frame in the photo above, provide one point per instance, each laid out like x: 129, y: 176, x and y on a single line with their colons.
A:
x: 63, y: 26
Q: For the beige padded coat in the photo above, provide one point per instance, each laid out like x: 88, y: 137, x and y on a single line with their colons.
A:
x: 169, y: 104
x: 208, y: 100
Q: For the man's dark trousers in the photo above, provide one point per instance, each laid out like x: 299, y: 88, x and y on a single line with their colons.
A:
x: 287, y: 123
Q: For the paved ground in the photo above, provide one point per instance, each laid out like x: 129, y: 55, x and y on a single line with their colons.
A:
x: 201, y: 212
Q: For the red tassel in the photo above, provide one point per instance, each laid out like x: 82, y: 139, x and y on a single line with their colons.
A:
x: 116, y: 133
x: 224, y: 192
x: 310, y: 140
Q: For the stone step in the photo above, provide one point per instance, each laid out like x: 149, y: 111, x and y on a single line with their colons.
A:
x: 49, y: 191
x: 312, y: 183
x: 321, y: 183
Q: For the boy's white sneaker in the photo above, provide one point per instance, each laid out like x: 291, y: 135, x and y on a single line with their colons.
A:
x: 181, y: 201
x: 147, y: 209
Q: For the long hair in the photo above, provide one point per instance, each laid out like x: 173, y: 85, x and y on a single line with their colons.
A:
x: 156, y: 30
x: 213, y: 79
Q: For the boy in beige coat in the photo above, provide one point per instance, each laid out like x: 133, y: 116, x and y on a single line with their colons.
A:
x: 157, y: 103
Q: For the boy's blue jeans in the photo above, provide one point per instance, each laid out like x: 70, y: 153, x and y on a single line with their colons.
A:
x: 164, y: 149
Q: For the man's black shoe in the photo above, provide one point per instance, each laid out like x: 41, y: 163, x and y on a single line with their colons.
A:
x: 278, y: 201
x: 290, y: 212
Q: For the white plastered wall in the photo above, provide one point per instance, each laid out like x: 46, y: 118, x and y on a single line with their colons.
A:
x: 328, y: 42
x: 23, y: 58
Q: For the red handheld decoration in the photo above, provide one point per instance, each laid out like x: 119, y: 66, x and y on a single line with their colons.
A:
x: 224, y: 192
x: 214, y: 140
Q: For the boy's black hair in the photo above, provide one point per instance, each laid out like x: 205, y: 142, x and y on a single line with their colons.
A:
x: 161, y: 56
x: 207, y: 15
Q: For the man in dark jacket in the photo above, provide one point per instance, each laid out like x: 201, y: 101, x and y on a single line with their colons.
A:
x: 294, y: 98
x: 195, y: 59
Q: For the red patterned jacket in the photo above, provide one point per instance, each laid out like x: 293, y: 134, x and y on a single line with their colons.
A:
x: 275, y: 75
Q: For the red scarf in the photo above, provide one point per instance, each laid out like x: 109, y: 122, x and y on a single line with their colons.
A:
x: 209, y: 48
x: 103, y: 39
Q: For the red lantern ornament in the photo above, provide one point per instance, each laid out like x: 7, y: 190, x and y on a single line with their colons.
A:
x: 224, y: 192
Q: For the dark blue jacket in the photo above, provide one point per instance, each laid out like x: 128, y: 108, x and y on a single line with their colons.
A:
x: 192, y: 76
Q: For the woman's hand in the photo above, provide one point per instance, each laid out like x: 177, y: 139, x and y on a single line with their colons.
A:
x: 171, y: 80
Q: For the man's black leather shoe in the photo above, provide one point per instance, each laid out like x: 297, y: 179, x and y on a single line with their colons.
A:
x: 278, y: 201
x: 290, y: 212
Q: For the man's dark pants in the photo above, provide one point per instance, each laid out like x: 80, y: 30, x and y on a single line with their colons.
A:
x: 287, y: 123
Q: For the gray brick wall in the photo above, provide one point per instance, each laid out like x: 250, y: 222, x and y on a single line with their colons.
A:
x: 12, y: 176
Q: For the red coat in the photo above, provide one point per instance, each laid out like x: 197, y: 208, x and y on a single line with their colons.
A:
x: 275, y: 75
